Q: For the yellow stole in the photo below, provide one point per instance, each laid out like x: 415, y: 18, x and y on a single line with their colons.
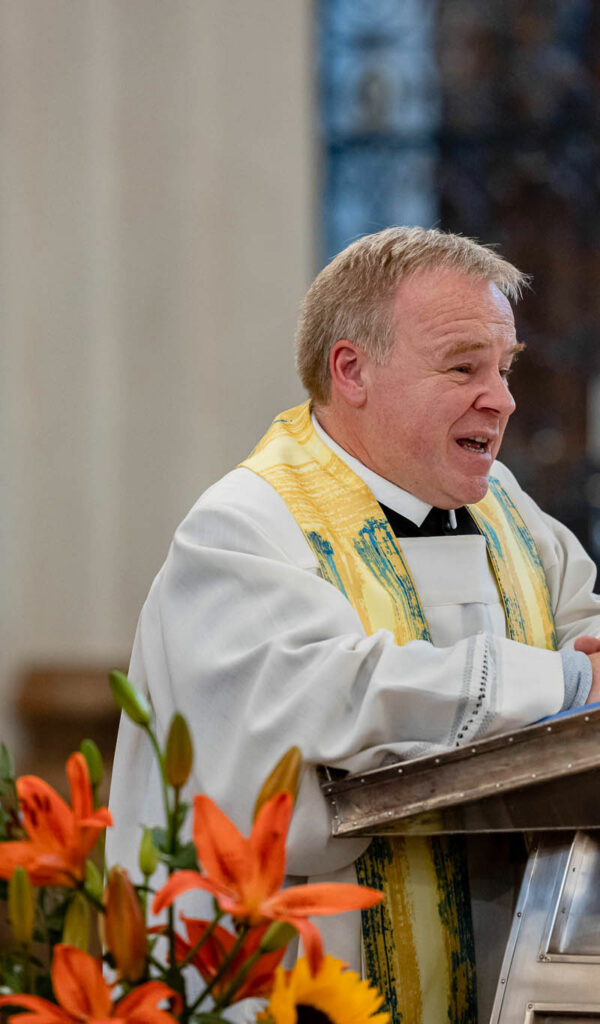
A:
x: 418, y: 943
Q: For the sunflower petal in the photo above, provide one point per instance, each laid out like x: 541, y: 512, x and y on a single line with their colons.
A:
x: 333, y: 993
x: 78, y: 983
x: 179, y: 883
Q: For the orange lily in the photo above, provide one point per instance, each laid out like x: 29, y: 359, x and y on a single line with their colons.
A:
x: 83, y: 995
x: 208, y: 959
x: 246, y: 875
x: 59, y: 837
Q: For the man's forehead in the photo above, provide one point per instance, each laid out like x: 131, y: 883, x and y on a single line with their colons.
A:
x: 450, y: 306
x: 459, y: 348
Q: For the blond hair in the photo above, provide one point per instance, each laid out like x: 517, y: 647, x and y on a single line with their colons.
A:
x: 352, y: 296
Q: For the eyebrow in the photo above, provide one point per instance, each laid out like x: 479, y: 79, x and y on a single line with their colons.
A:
x: 461, y: 347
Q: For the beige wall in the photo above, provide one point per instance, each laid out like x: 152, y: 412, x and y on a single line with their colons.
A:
x: 156, y: 173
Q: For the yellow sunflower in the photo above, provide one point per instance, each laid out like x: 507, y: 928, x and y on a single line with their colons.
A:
x: 332, y: 996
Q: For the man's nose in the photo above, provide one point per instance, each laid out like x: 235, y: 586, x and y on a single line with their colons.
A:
x: 496, y: 395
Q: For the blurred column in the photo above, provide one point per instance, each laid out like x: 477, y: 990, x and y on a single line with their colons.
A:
x: 156, y: 211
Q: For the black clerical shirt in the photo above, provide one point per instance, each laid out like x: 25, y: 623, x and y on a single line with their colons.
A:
x: 435, y: 524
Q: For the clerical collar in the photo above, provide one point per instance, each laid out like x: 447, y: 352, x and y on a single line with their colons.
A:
x: 385, y: 491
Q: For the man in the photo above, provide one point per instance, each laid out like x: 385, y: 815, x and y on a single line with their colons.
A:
x: 335, y: 592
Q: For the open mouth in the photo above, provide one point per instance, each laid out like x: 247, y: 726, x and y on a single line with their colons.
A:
x: 480, y: 445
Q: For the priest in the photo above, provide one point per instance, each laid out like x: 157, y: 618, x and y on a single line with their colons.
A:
x: 372, y: 585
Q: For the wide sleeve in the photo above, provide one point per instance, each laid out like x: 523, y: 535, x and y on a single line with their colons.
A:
x: 243, y: 636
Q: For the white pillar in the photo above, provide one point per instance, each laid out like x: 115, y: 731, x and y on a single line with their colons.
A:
x: 156, y: 208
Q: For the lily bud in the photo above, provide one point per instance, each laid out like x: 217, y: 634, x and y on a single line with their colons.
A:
x: 93, y: 880
x: 148, y: 855
x: 124, y: 926
x: 93, y: 759
x: 7, y: 764
x: 285, y: 777
x: 21, y: 906
x: 179, y: 753
x: 76, y: 927
x: 129, y: 699
x: 277, y: 935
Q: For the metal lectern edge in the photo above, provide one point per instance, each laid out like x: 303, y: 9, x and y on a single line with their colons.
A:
x: 511, y: 772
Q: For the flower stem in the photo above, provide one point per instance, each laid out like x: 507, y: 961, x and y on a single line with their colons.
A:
x: 238, y: 980
x: 233, y: 952
x: 203, y: 938
x: 161, y: 765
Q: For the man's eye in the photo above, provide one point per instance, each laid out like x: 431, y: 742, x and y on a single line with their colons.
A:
x: 506, y: 372
x: 461, y: 369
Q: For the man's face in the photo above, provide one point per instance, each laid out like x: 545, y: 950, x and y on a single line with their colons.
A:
x: 435, y: 414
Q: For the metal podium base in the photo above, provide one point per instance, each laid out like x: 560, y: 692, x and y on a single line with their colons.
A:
x: 551, y: 968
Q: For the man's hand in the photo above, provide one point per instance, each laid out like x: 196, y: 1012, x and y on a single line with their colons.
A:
x: 590, y: 645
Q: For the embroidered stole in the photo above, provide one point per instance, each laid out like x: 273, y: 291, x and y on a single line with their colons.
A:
x: 418, y: 943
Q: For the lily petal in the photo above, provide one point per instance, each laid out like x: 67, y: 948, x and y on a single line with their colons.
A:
x: 12, y: 854
x: 59, y: 838
x: 221, y: 847
x: 179, y: 883
x: 44, y: 1012
x: 319, y: 898
x: 141, y: 1004
x: 311, y: 940
x: 47, y: 818
x: 215, y: 948
x: 267, y: 841
x: 81, y: 788
x: 209, y: 958
x: 78, y: 984
x: 58, y: 868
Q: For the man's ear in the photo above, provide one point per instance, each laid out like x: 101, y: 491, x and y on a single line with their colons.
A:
x: 346, y: 365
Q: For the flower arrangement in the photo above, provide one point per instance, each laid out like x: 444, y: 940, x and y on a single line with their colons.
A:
x: 54, y: 892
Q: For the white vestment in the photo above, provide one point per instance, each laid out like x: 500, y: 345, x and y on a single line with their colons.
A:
x: 242, y: 635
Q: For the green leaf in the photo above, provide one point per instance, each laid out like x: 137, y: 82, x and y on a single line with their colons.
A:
x: 160, y: 838
x: 185, y: 859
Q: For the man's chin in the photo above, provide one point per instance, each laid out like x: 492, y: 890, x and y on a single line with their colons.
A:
x: 475, y: 490
x: 466, y: 492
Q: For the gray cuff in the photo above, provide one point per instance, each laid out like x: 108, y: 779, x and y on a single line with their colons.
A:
x: 577, y: 673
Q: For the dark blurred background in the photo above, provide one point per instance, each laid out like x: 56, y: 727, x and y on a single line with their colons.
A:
x: 484, y: 118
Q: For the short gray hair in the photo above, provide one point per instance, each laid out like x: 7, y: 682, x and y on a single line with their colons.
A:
x: 352, y: 296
